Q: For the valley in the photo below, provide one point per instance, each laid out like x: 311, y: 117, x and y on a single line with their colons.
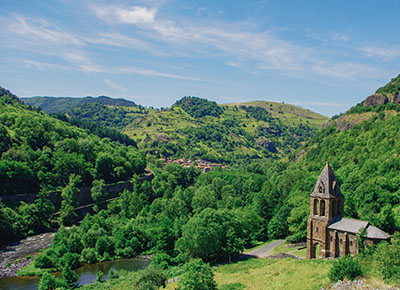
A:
x: 251, y: 192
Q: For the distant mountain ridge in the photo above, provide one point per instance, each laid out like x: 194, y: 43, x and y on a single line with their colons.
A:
x: 52, y: 105
x: 198, y: 128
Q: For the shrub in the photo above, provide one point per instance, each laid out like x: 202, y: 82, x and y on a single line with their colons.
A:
x: 70, y: 277
x: 50, y: 282
x: 346, y: 267
x: 198, y: 275
x: 89, y: 256
x: 44, y: 262
x: 150, y: 279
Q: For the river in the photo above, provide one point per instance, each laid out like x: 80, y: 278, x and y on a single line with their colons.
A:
x: 87, y: 273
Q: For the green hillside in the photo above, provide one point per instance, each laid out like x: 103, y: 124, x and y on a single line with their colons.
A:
x: 197, y: 128
x: 363, y: 148
x: 289, y: 114
x: 52, y: 105
x: 39, y: 153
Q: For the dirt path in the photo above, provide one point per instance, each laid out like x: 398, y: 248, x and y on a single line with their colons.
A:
x: 265, y: 251
x: 13, y: 256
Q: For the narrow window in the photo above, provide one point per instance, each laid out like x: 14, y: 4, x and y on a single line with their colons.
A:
x: 315, y: 206
x: 316, y: 229
x: 322, y: 208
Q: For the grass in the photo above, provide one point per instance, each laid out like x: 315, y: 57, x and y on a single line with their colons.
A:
x: 285, y: 248
x: 31, y: 270
x: 252, y: 274
x: 289, y: 114
x: 257, y: 274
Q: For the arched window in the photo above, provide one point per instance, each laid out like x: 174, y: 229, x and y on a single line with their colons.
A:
x: 321, y: 188
x: 322, y: 208
x: 315, y: 206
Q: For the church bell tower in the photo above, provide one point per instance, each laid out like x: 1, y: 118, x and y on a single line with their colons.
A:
x: 326, y: 207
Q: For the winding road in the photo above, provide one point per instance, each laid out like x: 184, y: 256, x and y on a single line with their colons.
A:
x: 265, y: 251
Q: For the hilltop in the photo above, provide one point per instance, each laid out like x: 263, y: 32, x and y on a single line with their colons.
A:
x: 197, y: 128
x: 384, y: 103
x: 288, y: 114
x: 52, y: 105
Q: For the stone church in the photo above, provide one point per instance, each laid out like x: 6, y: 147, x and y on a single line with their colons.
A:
x: 327, y: 228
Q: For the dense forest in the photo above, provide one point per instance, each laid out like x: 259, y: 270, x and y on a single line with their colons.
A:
x: 184, y: 214
x: 53, y: 105
x: 197, y: 128
x: 41, y: 154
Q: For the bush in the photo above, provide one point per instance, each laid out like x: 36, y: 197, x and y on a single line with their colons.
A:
x: 44, y: 262
x: 346, y: 267
x: 50, y: 282
x: 89, y: 256
x: 70, y: 277
x: 150, y: 279
x: 198, y: 275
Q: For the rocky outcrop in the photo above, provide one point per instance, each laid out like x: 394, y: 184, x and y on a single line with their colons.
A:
x: 396, y: 98
x: 375, y: 100
x: 267, y: 144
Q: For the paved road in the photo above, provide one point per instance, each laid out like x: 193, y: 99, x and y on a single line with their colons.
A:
x: 265, y: 251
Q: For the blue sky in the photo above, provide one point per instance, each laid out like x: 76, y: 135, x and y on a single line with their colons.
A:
x: 322, y: 55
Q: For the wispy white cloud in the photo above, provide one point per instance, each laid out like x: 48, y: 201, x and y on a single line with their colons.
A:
x: 81, y: 61
x: 255, y: 3
x: 150, y: 72
x: 320, y: 104
x: 132, y: 15
x: 45, y: 66
x: 243, y: 47
x: 387, y: 53
x: 344, y: 70
x: 38, y: 32
x: 114, y: 86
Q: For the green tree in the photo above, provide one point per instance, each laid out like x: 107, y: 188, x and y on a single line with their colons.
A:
x: 150, y: 279
x: 197, y: 276
x: 70, y: 277
x: 49, y: 282
x: 69, y: 195
x: 211, y: 235
x: 99, y: 194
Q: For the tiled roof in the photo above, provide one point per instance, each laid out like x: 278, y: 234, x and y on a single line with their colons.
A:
x: 354, y: 226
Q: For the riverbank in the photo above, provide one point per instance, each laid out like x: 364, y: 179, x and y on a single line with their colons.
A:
x: 19, y: 254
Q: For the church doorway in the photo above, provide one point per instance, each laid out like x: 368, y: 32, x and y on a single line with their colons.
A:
x: 315, y: 251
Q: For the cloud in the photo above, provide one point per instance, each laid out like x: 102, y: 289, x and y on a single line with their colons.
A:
x: 320, y: 104
x: 45, y: 66
x: 81, y: 61
x: 132, y: 15
x: 114, y: 86
x: 255, y: 3
x: 39, y: 31
x: 344, y: 70
x: 242, y: 47
x: 387, y: 53
x: 150, y: 72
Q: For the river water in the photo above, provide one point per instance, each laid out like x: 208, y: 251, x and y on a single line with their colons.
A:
x: 87, y: 273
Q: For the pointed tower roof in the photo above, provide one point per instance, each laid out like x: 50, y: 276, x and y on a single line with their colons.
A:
x: 327, y: 185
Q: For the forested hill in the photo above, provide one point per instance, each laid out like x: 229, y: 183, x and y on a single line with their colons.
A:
x: 52, y: 105
x: 39, y: 152
x: 197, y: 128
x: 366, y: 161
